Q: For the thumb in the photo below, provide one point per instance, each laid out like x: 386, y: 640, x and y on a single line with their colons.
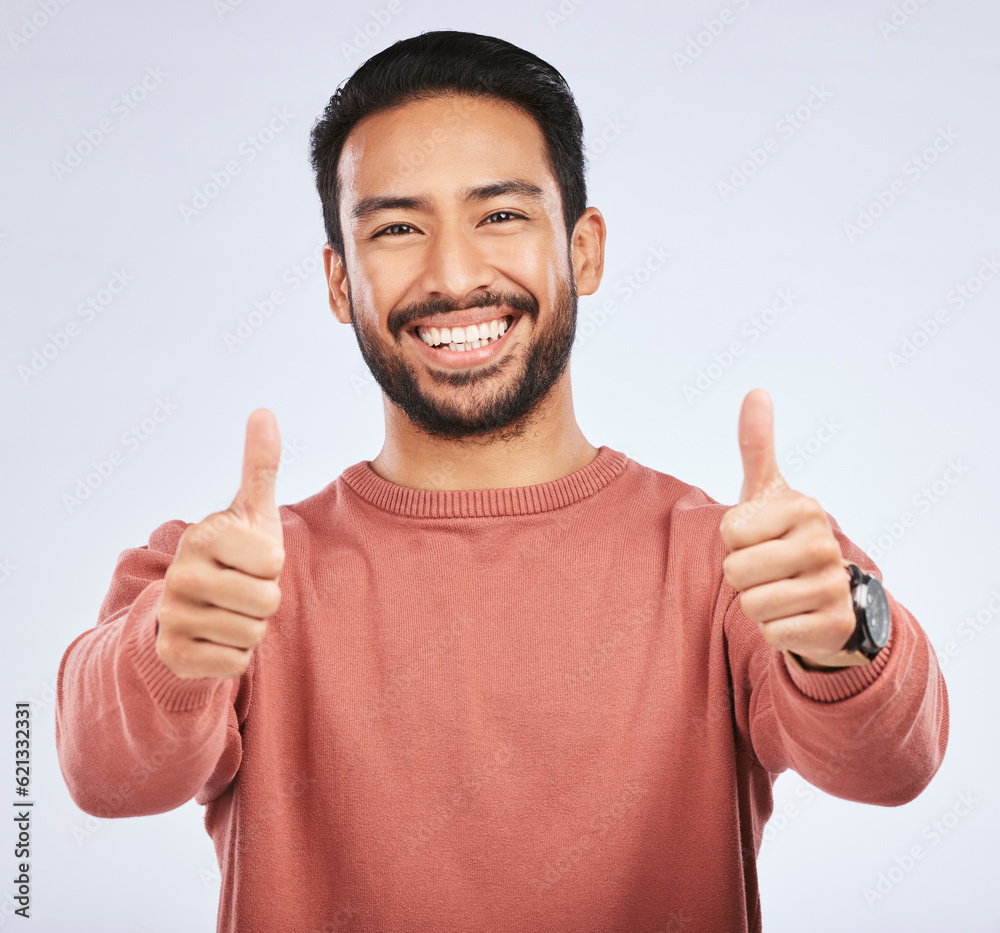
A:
x: 756, y: 436
x: 255, y: 500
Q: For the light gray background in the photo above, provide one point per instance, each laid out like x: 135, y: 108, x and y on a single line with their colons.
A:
x: 673, y: 131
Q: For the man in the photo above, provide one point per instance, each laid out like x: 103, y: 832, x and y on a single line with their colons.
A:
x: 496, y: 678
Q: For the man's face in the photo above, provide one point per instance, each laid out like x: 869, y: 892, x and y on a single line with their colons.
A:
x: 428, y: 244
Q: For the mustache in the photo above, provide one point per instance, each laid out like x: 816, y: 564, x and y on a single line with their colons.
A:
x: 403, y: 317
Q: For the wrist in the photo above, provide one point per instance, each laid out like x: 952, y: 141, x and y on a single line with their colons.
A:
x: 839, y: 661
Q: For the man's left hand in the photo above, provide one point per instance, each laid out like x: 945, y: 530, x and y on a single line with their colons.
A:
x: 784, y: 558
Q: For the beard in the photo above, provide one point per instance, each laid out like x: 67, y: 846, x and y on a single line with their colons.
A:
x: 490, y: 405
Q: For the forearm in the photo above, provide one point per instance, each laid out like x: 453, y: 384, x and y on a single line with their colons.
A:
x: 874, y: 733
x: 132, y: 737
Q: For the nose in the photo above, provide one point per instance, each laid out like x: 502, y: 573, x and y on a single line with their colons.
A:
x: 454, y: 265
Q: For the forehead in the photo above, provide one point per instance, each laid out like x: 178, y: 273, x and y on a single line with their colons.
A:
x: 439, y: 146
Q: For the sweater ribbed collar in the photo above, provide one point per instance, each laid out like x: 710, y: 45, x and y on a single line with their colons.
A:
x: 485, y: 503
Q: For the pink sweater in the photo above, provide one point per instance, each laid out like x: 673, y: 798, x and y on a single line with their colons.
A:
x: 529, y: 709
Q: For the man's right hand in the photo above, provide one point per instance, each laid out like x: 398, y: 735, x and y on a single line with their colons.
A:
x: 223, y: 581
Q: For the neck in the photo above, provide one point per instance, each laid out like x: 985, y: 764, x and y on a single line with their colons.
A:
x: 550, y: 447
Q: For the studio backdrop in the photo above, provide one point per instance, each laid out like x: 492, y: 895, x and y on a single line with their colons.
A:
x: 799, y: 196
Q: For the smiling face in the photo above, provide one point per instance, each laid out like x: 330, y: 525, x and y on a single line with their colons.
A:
x: 452, y: 220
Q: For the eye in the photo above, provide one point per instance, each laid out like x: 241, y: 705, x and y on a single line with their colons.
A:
x: 388, y: 231
x: 502, y: 213
x: 385, y: 230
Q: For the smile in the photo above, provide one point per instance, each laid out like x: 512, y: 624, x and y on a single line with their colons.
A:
x: 461, y: 339
x: 458, y: 347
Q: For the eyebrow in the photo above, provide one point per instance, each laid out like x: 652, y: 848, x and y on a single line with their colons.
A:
x: 388, y: 202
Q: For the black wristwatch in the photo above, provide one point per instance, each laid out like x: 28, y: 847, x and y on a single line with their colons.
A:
x: 871, y: 609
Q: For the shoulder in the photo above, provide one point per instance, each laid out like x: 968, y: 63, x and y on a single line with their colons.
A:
x: 318, y: 512
x: 668, y: 496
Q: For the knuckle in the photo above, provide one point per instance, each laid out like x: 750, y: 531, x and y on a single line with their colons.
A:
x: 832, y: 554
x: 183, y: 577
x: 164, y: 647
x: 731, y: 571
x: 202, y: 534
x: 272, y: 558
x: 180, y: 652
x: 191, y: 534
x: 239, y: 661
x: 836, y: 586
x: 733, y: 532
x: 168, y: 617
x: 173, y: 654
x: 770, y: 636
x: 750, y: 603
x: 270, y: 599
x: 817, y: 550
x: 846, y: 629
x: 813, y: 506
x: 806, y: 507
x: 211, y: 529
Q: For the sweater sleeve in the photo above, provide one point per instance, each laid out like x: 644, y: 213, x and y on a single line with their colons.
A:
x: 132, y: 737
x: 874, y: 734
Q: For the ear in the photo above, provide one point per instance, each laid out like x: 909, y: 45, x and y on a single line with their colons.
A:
x: 588, y: 251
x: 336, y: 280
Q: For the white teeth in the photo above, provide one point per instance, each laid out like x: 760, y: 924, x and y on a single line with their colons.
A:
x: 473, y: 345
x: 475, y: 335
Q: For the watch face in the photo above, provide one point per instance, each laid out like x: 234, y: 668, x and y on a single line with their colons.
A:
x: 877, y: 606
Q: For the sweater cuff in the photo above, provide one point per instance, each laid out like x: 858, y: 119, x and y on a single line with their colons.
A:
x: 170, y: 692
x: 837, y: 684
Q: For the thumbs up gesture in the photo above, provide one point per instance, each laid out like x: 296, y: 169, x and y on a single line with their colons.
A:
x: 784, y: 558
x: 223, y: 581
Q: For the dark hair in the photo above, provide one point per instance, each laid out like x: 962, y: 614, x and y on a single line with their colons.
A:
x: 451, y: 62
